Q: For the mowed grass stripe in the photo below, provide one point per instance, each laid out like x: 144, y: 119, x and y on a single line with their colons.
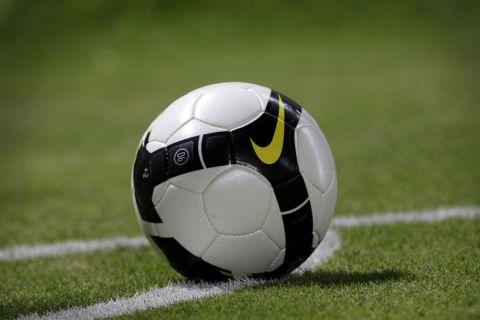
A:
x: 87, y: 246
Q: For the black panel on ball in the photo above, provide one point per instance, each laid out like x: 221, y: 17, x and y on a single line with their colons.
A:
x: 298, y: 233
x: 183, y: 157
x: 284, y: 176
x: 261, y: 131
x: 187, y: 264
x: 144, y: 183
x: 290, y: 194
x: 217, y: 149
x: 158, y: 166
x: 152, y: 168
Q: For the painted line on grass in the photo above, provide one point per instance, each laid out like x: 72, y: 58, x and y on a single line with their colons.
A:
x: 434, y: 215
x: 184, y: 291
x: 152, y: 299
x: 87, y: 246
x: 68, y: 247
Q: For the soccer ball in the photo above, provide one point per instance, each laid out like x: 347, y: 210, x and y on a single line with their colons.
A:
x: 234, y: 180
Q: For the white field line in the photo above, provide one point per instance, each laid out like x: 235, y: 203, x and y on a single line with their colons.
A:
x: 151, y: 299
x: 86, y: 246
x: 68, y: 247
x: 434, y: 215
x: 185, y: 291
x: 160, y: 297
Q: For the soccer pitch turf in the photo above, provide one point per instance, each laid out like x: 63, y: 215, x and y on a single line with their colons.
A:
x: 395, y: 89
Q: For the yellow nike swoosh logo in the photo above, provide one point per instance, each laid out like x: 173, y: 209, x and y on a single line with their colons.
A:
x: 271, y: 153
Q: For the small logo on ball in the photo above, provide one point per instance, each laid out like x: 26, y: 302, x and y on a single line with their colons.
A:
x: 181, y: 156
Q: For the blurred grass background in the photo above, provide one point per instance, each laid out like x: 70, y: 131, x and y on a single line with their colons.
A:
x: 394, y: 86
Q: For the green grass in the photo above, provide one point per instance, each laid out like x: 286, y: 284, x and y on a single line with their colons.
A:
x: 418, y: 275
x: 394, y: 88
